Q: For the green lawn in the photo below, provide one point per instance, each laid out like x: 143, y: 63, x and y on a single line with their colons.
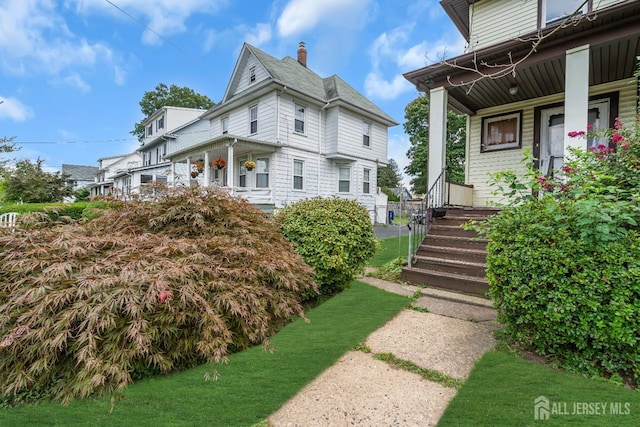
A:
x: 391, y: 248
x: 254, y: 384
x: 502, y: 388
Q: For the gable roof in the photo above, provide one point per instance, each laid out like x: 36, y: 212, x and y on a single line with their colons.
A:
x: 79, y: 172
x: 289, y: 73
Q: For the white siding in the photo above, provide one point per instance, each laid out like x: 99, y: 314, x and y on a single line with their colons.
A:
x: 243, y: 79
x: 348, y: 140
x: 188, y: 136
x: 310, y: 138
x: 496, y: 21
x: 331, y: 130
x: 480, y: 165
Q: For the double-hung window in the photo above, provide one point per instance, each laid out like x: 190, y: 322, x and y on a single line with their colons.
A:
x: 299, y: 120
x: 150, y: 130
x: 160, y: 123
x: 298, y: 175
x: 224, y: 124
x: 344, y: 179
x: 242, y: 174
x: 366, y: 133
x: 366, y: 181
x: 253, y: 119
x: 262, y: 173
x: 252, y: 75
x: 555, y: 11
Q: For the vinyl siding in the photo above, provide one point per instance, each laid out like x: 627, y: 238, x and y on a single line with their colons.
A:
x: 348, y: 139
x: 331, y: 130
x: 481, y: 165
x: 243, y: 80
x: 500, y: 20
x: 189, y: 136
x: 288, y: 136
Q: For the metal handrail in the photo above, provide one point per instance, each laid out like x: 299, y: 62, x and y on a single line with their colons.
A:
x: 420, y: 224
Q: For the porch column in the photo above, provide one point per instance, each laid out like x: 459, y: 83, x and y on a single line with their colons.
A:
x: 173, y: 173
x: 207, y: 170
x: 576, y: 96
x: 437, y: 133
x: 230, y: 165
x: 189, y: 171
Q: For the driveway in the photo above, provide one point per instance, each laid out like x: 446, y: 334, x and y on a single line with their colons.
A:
x: 392, y: 230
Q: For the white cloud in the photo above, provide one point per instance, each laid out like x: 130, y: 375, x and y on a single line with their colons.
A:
x: 376, y: 86
x: 73, y: 79
x: 259, y: 35
x: 165, y: 17
x: 299, y: 16
x: 119, y: 75
x: 15, y: 110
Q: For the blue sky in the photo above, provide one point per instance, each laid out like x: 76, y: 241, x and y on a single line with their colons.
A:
x: 73, y: 71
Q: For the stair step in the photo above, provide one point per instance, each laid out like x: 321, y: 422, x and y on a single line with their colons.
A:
x: 460, y: 254
x: 475, y: 269
x: 455, y: 241
x: 440, y: 279
x: 441, y: 229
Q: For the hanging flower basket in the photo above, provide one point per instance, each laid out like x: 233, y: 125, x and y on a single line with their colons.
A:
x: 194, y: 174
x: 200, y: 165
x: 219, y: 163
x: 249, y: 165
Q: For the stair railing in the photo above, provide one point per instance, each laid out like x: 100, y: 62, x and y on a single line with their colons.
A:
x: 420, y: 223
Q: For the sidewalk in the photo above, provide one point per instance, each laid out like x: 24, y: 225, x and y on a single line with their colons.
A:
x: 360, y: 390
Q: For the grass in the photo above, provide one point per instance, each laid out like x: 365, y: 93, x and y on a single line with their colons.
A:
x: 502, y: 388
x: 390, y: 248
x: 254, y: 384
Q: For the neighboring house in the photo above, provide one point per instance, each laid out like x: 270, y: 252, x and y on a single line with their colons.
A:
x: 160, y: 128
x: 307, y: 135
x: 402, y: 193
x: 112, y: 168
x: 80, y: 176
x: 580, y: 74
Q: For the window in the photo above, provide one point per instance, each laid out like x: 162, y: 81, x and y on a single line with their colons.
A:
x: 150, y: 130
x: 146, y: 158
x: 161, y: 179
x: 501, y: 132
x: 252, y: 75
x: 366, y: 132
x: 224, y: 124
x: 158, y: 156
x: 298, y: 175
x: 253, y: 119
x: 366, y: 181
x: 160, y: 123
x: 242, y: 174
x: 299, y: 121
x: 262, y: 173
x: 146, y: 179
x: 164, y: 150
x: 344, y: 179
x: 555, y: 11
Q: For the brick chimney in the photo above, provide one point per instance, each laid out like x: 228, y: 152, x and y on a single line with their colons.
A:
x: 302, y: 54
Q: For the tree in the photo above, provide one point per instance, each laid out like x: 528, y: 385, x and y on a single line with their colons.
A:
x: 173, y: 96
x: 417, y: 127
x: 27, y: 182
x: 389, y: 176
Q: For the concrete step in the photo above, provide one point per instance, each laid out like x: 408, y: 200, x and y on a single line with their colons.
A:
x: 450, y: 281
x: 475, y: 269
x: 460, y: 254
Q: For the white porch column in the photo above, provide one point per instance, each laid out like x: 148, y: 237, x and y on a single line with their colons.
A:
x: 437, y: 133
x: 576, y: 96
x: 188, y: 171
x: 173, y: 173
x: 230, y: 165
x: 207, y: 170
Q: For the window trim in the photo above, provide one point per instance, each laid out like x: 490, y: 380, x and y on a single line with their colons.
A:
x: 252, y: 74
x: 149, y: 131
x: 542, y: 12
x: 160, y: 123
x: 267, y: 173
x: 242, y: 172
x: 296, y: 107
x: 366, y: 173
x: 224, y: 125
x: 506, y: 145
x: 301, y: 176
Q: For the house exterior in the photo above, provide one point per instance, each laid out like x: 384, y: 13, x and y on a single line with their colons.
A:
x: 304, y: 135
x: 115, y: 168
x: 555, y: 77
x: 80, y: 176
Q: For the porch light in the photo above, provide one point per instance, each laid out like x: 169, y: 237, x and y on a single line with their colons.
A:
x: 513, y: 90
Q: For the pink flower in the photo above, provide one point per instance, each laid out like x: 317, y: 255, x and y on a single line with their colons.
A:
x: 589, y: 127
x: 165, y: 295
x: 575, y: 134
x: 618, y: 124
x: 617, y: 138
x: 567, y: 169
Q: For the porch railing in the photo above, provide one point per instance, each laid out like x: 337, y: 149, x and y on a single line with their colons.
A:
x: 420, y: 222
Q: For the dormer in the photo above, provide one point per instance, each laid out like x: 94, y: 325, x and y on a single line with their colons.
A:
x: 165, y: 119
x: 485, y: 23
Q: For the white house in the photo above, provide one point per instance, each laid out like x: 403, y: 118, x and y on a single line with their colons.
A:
x: 305, y: 136
x: 112, y: 169
x: 556, y: 77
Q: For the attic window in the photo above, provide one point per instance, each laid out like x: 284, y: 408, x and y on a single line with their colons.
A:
x: 366, y: 133
x: 252, y: 75
x: 150, y: 130
x: 555, y: 11
x: 299, y: 120
x: 160, y: 124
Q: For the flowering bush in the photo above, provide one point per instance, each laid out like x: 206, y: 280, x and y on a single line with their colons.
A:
x: 563, y: 258
x: 249, y: 164
x: 219, y: 163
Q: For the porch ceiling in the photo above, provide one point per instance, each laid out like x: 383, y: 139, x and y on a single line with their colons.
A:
x: 613, y: 36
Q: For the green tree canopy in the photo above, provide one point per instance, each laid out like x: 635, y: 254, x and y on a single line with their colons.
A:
x: 417, y: 127
x: 389, y: 176
x: 27, y: 182
x: 172, y: 96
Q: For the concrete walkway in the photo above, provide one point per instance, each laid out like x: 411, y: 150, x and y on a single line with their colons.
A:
x: 359, y: 390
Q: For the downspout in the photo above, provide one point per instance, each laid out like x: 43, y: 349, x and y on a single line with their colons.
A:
x: 321, y: 130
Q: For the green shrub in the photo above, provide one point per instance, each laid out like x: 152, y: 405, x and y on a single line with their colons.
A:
x: 95, y: 207
x: 145, y: 288
x: 391, y: 270
x: 54, y: 210
x: 334, y: 236
x: 564, y: 266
